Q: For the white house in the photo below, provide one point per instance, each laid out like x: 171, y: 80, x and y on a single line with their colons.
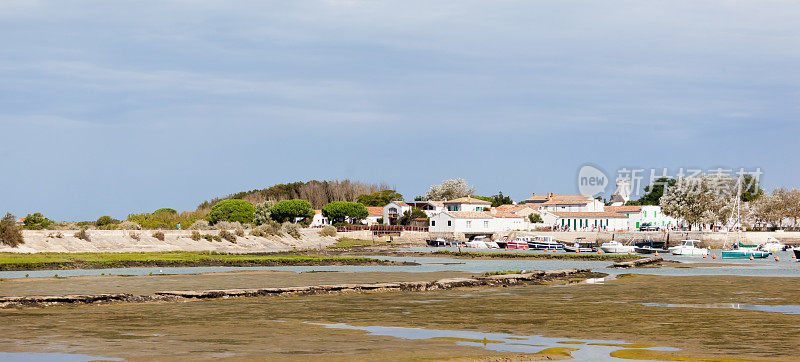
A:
x: 586, y: 220
x: 319, y: 220
x: 468, y: 203
x: 475, y: 222
x: 375, y: 213
x: 395, y: 209
x: 646, y: 214
x: 573, y: 203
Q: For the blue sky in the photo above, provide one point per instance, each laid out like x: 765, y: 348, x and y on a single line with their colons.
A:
x: 119, y: 107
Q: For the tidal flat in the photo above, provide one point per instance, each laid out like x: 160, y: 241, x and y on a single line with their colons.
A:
x: 280, y: 328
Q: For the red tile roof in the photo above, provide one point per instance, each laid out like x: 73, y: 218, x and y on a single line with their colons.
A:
x: 624, y: 208
x: 375, y: 210
x: 468, y: 200
x: 569, y: 200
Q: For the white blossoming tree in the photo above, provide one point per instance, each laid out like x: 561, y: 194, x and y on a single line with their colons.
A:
x: 448, y: 190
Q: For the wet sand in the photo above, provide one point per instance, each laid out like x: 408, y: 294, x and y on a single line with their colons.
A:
x: 273, y: 328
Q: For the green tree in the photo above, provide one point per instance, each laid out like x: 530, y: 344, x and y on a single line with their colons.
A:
x: 654, y: 192
x: 380, y: 198
x: 338, y: 211
x: 166, y: 210
x: 407, y: 216
x: 9, y: 231
x: 535, y: 218
x: 104, y: 221
x: 500, y: 199
x: 751, y: 188
x: 289, y: 210
x: 263, y: 214
x: 232, y: 211
x: 37, y: 221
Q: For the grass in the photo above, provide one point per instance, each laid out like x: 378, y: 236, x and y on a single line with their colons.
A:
x: 344, y: 242
x: 504, y: 272
x: 540, y: 256
x: 39, y: 261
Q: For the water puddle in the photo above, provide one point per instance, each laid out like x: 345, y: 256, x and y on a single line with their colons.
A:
x: 785, y: 309
x: 582, y: 350
x: 59, y: 357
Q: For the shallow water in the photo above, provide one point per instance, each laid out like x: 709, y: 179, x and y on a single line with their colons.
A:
x: 786, y: 267
x: 588, y: 350
x: 55, y: 357
x: 785, y: 309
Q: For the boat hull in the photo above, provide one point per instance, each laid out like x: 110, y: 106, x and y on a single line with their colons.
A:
x: 689, y: 252
x: 618, y: 249
x: 649, y: 250
x: 744, y: 254
x: 545, y: 246
x: 796, y: 254
x: 517, y: 245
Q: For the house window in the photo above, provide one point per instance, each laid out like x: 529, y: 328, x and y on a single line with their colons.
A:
x: 469, y: 224
x: 433, y: 222
x: 485, y: 224
x: 449, y: 222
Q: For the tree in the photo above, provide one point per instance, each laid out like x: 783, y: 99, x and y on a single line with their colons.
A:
x: 166, y: 210
x: 751, y: 188
x: 449, y: 190
x: 339, y: 211
x: 407, y: 216
x: 380, y: 198
x: 704, y: 199
x: 105, y: 221
x: 262, y: 213
x: 290, y: 210
x: 654, y: 191
x: 535, y: 218
x: 232, y: 211
x: 9, y: 231
x: 500, y: 199
x: 36, y: 221
x: 769, y: 209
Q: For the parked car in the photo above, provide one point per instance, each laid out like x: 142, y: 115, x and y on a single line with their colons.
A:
x: 648, y: 227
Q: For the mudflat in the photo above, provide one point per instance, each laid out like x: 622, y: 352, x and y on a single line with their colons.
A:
x: 274, y: 328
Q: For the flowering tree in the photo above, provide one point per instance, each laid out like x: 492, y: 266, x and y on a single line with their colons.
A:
x: 449, y: 190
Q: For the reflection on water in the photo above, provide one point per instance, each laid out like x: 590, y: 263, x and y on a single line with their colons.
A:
x: 764, y: 268
x: 587, y: 350
x: 785, y: 309
x: 59, y: 357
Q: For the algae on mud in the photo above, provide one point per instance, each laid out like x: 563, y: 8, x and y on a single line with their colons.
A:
x: 46, y: 261
x: 273, y: 328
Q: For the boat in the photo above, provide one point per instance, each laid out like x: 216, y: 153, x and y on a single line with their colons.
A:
x: 615, y: 247
x: 520, y: 242
x: 439, y: 242
x: 502, y: 244
x: 650, y: 247
x: 773, y: 245
x: 689, y: 247
x: 478, y: 242
x: 544, y: 243
x: 796, y: 253
x: 580, y: 246
x: 739, y: 249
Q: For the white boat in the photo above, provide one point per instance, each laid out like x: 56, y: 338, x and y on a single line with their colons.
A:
x: 688, y: 247
x: 520, y: 242
x: 478, y: 242
x: 544, y: 243
x: 615, y: 247
x: 773, y: 245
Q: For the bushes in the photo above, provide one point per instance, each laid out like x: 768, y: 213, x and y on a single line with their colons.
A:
x: 159, y: 235
x: 128, y: 225
x: 239, y: 232
x: 263, y: 214
x: 135, y: 236
x: 269, y: 228
x: 106, y: 222
x: 233, y: 211
x: 196, y: 235
x: 227, y: 235
x: 290, y: 210
x: 328, y: 231
x: 339, y: 211
x: 166, y: 220
x: 37, y: 221
x: 83, y: 234
x: 291, y: 229
x: 200, y: 225
x: 9, y: 231
x: 166, y: 210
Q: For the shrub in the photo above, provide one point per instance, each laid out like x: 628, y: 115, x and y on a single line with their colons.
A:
x: 227, y: 235
x: 83, y: 234
x: 216, y: 238
x: 135, y: 236
x: 166, y: 210
x: 231, y: 210
x: 262, y: 214
x: 339, y: 211
x: 290, y: 210
x: 159, y: 235
x: 37, y: 221
x: 166, y: 220
x: 535, y: 218
x: 105, y: 221
x: 9, y: 231
x: 196, y: 235
x: 328, y: 231
x: 291, y: 229
x: 239, y: 232
x: 269, y: 228
x: 128, y: 225
x: 200, y: 225
x: 225, y: 225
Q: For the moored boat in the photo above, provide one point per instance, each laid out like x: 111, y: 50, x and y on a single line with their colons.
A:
x: 544, y: 243
x: 796, y: 253
x: 689, y: 247
x: 745, y: 252
x: 615, y: 247
x: 650, y: 247
x: 580, y: 246
x: 520, y: 242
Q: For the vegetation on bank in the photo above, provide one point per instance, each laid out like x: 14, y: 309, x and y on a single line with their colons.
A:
x: 40, y: 261
x: 344, y: 242
x: 538, y: 256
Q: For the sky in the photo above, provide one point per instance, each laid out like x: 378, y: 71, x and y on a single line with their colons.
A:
x: 111, y: 108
